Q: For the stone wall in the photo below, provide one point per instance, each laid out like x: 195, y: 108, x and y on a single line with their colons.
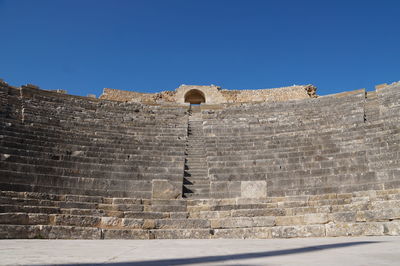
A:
x: 132, y: 96
x: 214, y: 95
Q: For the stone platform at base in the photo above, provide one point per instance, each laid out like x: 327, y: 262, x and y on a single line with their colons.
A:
x: 309, y: 251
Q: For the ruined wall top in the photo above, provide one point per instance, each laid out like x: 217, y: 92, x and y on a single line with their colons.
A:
x: 213, y: 94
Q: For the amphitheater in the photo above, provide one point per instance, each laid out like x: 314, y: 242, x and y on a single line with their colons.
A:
x: 199, y: 162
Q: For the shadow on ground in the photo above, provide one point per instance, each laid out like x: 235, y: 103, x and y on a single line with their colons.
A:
x: 233, y: 257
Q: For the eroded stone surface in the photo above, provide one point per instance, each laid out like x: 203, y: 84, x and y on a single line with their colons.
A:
x: 164, y: 189
x: 253, y: 189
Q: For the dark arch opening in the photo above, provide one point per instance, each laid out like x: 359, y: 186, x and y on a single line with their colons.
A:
x: 195, y: 97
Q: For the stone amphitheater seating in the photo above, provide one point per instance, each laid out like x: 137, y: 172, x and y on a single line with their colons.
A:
x: 77, y: 167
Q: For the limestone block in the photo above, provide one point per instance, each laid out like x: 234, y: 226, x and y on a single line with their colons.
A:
x: 69, y: 232
x: 19, y: 231
x: 132, y: 223
x: 181, y: 223
x: 178, y: 215
x: 254, y: 189
x: 243, y: 233
x: 14, y: 218
x: 213, y: 214
x: 164, y: 189
x: 149, y: 224
x: 391, y: 228
x: 107, y: 222
x: 38, y: 218
x: 238, y: 222
x: 290, y: 220
x: 378, y: 215
x: 181, y: 234
x: 298, y: 231
x: 76, y: 220
x: 354, y: 229
x: 316, y: 218
x: 125, y: 234
x: 343, y: 217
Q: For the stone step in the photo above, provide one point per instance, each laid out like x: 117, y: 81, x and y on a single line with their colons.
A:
x: 196, y: 159
x: 90, y: 212
x: 199, y: 164
x: 198, y: 149
x: 73, y: 190
x: 4, y: 208
x: 197, y: 196
x: 49, y: 232
x: 195, y: 189
x: 182, y: 223
x: 121, y: 207
x: 146, y: 215
x: 192, y: 181
x: 198, y: 186
x: 196, y: 177
x: 198, y: 173
x: 196, y: 170
x: 48, y: 203
x: 165, y: 208
x: 199, y: 178
x: 243, y: 222
x: 174, y: 202
x: 180, y: 234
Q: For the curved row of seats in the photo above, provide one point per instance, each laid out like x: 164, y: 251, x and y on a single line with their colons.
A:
x: 40, y: 215
x: 74, y: 145
x: 73, y: 167
x: 307, y: 147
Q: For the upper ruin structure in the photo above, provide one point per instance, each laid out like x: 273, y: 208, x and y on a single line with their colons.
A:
x: 212, y: 94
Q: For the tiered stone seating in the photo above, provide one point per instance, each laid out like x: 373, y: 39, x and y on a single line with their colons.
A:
x: 69, y: 216
x: 75, y: 167
x: 80, y: 146
x: 73, y: 151
x: 306, y: 147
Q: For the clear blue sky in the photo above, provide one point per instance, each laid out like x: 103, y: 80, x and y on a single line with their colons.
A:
x: 84, y: 46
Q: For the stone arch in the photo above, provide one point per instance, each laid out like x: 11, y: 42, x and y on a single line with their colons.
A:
x: 195, y: 97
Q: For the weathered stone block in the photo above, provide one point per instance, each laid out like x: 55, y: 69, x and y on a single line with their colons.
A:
x: 238, y: 222
x: 182, y: 223
x: 69, y: 232
x: 378, y: 215
x: 125, y: 234
x: 298, y: 231
x: 164, y: 189
x: 391, y: 228
x: 110, y: 222
x: 343, y: 217
x: 14, y: 218
x: 181, y: 234
x: 243, y: 233
x: 254, y: 189
x: 132, y: 223
x: 354, y: 229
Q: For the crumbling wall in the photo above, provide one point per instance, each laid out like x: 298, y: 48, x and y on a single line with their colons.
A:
x: 270, y: 95
x: 214, y: 94
x: 132, y: 96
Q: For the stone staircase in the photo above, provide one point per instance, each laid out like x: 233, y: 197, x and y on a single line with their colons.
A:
x: 196, y: 183
x: 371, y: 108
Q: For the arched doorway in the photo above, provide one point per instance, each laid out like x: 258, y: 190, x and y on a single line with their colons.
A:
x: 195, y: 97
